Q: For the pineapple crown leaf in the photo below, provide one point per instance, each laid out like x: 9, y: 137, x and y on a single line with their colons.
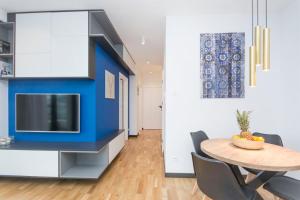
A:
x: 243, y: 119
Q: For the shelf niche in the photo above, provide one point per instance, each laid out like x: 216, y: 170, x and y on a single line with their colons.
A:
x: 84, y: 165
x: 7, y: 49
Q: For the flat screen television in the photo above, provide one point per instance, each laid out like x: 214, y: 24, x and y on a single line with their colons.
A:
x: 48, y: 113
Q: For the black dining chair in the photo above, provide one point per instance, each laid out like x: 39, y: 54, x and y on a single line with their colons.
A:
x: 216, y: 179
x: 284, y: 187
x: 271, y: 139
x: 197, y: 138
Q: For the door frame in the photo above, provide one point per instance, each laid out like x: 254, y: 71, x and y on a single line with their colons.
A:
x: 123, y: 100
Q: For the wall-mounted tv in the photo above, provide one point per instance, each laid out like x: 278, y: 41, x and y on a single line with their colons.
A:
x: 48, y: 113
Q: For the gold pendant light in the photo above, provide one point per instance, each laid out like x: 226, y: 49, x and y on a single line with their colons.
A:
x: 266, y: 43
x: 252, y: 58
x: 258, y: 44
x: 255, y: 52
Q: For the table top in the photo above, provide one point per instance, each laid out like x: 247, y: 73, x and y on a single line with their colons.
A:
x: 270, y: 158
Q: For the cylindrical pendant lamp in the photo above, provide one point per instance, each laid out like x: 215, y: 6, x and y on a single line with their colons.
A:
x: 258, y: 44
x: 252, y: 64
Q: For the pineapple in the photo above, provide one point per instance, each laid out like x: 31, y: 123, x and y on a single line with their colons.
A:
x: 243, y: 121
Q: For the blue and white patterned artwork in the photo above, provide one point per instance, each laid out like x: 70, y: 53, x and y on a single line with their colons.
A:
x: 222, y: 60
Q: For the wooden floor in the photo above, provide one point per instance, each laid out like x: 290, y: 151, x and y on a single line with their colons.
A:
x: 136, y: 174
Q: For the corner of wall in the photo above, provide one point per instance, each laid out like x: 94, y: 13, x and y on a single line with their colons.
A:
x: 4, y: 108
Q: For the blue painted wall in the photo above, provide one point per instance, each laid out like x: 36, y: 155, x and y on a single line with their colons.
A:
x: 107, y: 109
x: 99, y: 116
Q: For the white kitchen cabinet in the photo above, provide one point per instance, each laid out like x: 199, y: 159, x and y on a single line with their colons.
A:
x: 52, y: 44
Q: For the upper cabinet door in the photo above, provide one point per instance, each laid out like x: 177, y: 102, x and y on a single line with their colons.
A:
x: 69, y: 23
x: 70, y: 44
x: 33, y: 45
x: 52, y: 44
x: 33, y: 33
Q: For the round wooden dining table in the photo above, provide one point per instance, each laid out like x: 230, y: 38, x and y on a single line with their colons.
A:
x: 270, y: 160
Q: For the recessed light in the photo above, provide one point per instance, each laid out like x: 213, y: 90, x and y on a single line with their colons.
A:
x: 143, y: 42
x: 148, y: 62
x: 150, y: 72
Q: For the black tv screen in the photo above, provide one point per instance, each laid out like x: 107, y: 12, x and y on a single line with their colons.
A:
x: 48, y: 113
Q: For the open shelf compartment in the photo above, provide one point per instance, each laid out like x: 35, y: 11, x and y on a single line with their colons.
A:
x: 7, y: 49
x: 83, y: 165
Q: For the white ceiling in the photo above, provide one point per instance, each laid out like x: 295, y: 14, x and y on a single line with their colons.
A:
x: 136, y: 18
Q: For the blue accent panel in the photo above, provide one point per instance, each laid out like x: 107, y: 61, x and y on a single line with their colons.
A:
x: 107, y: 109
x: 99, y: 116
x: 86, y: 89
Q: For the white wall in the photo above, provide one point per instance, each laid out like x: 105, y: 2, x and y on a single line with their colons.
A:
x: 186, y: 111
x: 153, y: 79
x: 290, y: 69
x: 133, y: 105
x: 3, y: 108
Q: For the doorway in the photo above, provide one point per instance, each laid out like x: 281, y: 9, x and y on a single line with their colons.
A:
x: 123, y: 104
x: 152, y: 107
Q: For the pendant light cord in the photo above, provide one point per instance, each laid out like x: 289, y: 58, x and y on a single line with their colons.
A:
x: 257, y: 12
x: 252, y: 20
x: 266, y: 13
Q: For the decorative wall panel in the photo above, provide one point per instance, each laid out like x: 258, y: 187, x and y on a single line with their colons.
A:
x: 222, y: 61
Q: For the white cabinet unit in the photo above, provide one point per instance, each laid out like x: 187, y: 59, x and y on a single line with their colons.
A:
x: 87, y: 160
x: 33, y: 33
x: 29, y: 163
x: 52, y: 44
x: 69, y: 56
x: 70, y: 23
x: 34, y: 43
x: 115, y: 146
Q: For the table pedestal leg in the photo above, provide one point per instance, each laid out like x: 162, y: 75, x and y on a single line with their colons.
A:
x: 260, y: 179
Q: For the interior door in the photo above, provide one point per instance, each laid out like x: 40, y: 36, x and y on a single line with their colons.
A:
x: 152, y: 110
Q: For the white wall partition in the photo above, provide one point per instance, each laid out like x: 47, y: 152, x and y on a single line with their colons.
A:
x: 4, y: 108
x: 186, y: 111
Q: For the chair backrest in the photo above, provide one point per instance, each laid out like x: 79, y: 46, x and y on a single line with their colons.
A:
x: 216, y: 179
x: 197, y: 138
x: 270, y: 138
